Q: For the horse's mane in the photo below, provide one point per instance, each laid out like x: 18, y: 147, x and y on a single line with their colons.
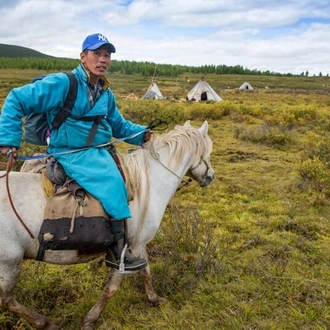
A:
x: 180, y: 140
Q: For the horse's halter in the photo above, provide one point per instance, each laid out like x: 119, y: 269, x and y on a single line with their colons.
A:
x: 192, y: 169
x: 189, y: 173
x: 202, y: 160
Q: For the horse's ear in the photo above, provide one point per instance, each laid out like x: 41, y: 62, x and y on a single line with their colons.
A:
x: 204, y: 128
x: 187, y: 124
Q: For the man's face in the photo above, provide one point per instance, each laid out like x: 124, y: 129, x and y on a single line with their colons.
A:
x: 97, y: 62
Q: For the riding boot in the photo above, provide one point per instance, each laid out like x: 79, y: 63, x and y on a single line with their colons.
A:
x: 118, y: 255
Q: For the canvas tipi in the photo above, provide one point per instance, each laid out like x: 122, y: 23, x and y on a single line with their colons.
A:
x: 246, y: 86
x: 153, y: 93
x: 203, y: 92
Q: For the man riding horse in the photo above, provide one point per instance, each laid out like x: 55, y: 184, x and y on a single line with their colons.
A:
x: 92, y: 168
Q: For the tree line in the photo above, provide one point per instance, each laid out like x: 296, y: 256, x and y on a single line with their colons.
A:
x: 129, y: 67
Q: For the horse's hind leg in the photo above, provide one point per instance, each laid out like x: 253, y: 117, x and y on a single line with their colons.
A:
x: 8, y: 279
x: 37, y: 320
x: 152, y: 297
x: 111, y: 287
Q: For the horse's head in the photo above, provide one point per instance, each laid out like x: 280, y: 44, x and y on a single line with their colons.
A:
x: 202, y: 171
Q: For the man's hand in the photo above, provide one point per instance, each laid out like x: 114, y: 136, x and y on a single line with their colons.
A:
x: 9, y: 150
x: 147, y: 135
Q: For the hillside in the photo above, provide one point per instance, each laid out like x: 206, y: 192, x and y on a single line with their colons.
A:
x: 18, y: 51
x: 9, y: 53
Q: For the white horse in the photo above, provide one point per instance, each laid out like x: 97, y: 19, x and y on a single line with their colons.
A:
x: 155, y: 173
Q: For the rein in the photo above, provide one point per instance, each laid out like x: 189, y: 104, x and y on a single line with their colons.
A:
x: 154, y: 123
x: 11, y: 162
x: 104, y: 145
x: 184, y: 182
x: 9, y: 165
x: 155, y: 155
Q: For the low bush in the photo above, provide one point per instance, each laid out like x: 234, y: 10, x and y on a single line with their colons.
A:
x: 275, y: 137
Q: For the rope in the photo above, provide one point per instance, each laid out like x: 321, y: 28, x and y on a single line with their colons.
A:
x: 155, y: 155
x: 81, y: 149
x: 11, y: 162
x: 154, y: 123
x: 9, y: 165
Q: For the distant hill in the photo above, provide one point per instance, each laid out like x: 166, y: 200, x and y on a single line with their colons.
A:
x: 18, y: 51
x: 35, y: 59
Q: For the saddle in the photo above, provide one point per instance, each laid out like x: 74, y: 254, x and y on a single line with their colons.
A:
x: 73, y: 219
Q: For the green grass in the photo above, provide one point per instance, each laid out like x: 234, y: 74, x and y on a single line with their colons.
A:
x: 251, y: 251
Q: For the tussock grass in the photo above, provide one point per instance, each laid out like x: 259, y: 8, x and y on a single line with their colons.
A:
x: 272, y: 136
x: 251, y: 251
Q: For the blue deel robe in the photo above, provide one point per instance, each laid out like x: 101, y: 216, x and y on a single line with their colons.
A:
x: 93, y: 168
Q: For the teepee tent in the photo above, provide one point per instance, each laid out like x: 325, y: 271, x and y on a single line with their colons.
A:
x: 246, y: 86
x: 203, y: 92
x: 153, y: 93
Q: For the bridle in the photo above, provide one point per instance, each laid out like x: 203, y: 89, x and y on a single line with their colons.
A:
x: 184, y: 182
x: 202, y: 160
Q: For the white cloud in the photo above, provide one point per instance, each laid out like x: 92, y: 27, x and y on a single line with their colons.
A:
x: 282, y: 36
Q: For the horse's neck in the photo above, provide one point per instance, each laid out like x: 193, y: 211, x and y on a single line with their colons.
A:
x: 167, y: 175
x: 163, y: 182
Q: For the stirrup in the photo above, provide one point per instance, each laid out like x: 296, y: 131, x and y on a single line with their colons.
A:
x: 121, y: 269
x: 120, y: 266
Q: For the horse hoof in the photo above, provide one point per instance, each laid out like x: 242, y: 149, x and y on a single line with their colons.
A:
x: 87, y: 327
x: 51, y: 327
x: 156, y: 302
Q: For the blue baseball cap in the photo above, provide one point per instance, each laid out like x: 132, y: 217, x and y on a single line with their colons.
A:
x: 95, y: 41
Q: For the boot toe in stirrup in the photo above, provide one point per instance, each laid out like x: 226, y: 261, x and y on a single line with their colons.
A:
x: 128, y: 266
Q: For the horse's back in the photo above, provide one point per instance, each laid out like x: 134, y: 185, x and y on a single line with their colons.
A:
x: 26, y: 193
x: 27, y: 196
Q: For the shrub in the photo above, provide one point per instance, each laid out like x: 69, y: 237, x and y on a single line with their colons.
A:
x: 271, y: 136
x: 315, y: 165
x: 193, y: 243
x: 145, y: 111
x: 214, y: 111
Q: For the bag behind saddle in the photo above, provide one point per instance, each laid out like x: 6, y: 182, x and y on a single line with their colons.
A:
x: 74, y: 220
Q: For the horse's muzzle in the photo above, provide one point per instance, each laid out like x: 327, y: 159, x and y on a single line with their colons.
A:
x: 207, y: 178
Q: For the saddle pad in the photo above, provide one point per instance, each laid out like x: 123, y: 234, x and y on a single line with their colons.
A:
x: 73, y: 224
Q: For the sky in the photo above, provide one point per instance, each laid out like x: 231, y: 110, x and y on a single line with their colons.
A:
x: 284, y: 36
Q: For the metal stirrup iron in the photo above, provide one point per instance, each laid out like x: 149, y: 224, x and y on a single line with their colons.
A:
x: 122, y: 257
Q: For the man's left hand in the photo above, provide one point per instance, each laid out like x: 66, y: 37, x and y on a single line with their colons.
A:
x: 147, y: 135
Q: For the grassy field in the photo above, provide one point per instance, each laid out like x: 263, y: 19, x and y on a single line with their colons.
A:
x: 251, y: 251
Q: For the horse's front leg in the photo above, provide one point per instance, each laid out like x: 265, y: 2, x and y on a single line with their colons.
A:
x: 111, y: 287
x: 152, y: 297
